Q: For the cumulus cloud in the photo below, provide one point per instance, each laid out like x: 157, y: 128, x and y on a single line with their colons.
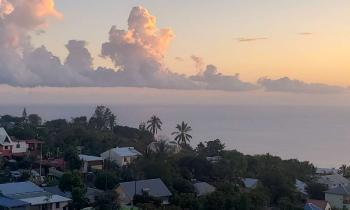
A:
x: 286, y: 84
x: 213, y: 80
x: 137, y: 53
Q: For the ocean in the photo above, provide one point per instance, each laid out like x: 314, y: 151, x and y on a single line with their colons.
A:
x: 319, y: 134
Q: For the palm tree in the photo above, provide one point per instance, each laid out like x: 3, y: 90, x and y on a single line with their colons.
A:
x: 182, y: 137
x: 154, y: 124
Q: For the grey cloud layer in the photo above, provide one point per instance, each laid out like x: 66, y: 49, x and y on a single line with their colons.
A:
x: 286, y: 84
x: 137, y: 53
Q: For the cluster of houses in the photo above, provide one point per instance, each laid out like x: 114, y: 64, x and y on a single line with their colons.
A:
x: 32, y: 195
x: 29, y: 195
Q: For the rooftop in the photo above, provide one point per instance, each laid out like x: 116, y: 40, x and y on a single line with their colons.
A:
x: 203, y: 188
x: 18, y: 188
x: 156, y: 188
x: 125, y: 151
x: 250, y: 183
x: 340, y: 190
x: 12, y: 203
x: 88, y: 158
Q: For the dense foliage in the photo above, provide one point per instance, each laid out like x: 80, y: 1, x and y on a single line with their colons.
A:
x: 101, y: 132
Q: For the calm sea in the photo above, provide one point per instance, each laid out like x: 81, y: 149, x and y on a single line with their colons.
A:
x: 318, y: 134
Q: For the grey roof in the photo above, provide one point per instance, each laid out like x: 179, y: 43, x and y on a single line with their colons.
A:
x: 88, y: 158
x: 155, y: 188
x: 341, y: 190
x: 126, y: 151
x: 12, y: 203
x: 333, y: 179
x: 19, y: 188
x: 250, y: 183
x: 30, y: 193
x: 203, y: 188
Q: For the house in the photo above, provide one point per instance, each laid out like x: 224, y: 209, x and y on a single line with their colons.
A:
x: 10, y: 146
x: 300, y: 186
x: 171, y: 147
x: 326, y: 171
x: 333, y: 180
x: 121, y: 155
x: 203, y: 188
x: 250, y: 183
x: 12, y: 204
x: 338, y: 197
x: 34, y: 196
x: 317, y: 205
x: 154, y: 187
x: 91, y: 163
x: 6, y: 144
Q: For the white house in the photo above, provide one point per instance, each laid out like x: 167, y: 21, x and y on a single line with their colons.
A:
x: 121, y: 155
x: 6, y: 144
x: 338, y: 197
x: 36, y: 197
x: 12, y: 147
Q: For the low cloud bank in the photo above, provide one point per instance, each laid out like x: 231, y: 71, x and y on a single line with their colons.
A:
x: 286, y: 84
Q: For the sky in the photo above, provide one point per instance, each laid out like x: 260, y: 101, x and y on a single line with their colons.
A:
x: 229, y: 45
x: 306, y: 40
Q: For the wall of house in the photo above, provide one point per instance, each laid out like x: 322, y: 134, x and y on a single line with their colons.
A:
x: 336, y: 201
x: 23, y: 147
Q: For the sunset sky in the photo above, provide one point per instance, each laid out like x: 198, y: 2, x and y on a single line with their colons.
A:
x: 306, y: 40
x: 237, y: 46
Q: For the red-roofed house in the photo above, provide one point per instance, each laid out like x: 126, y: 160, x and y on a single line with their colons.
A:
x: 324, y: 205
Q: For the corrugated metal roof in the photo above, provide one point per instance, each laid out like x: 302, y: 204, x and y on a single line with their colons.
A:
x: 341, y: 190
x: 19, y: 188
x: 125, y: 151
x: 11, y: 203
x: 155, y: 187
x: 46, y: 199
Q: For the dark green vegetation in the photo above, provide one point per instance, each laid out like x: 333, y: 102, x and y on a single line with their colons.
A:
x: 101, y: 132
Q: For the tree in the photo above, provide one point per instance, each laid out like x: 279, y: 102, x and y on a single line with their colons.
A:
x: 34, y: 120
x: 79, y: 198
x: 154, y: 124
x: 70, y: 180
x: 72, y: 158
x: 107, y: 200
x: 106, y: 180
x: 316, y: 190
x: 103, y: 119
x: 182, y: 136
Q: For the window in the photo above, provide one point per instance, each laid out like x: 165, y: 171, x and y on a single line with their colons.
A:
x: 18, y: 146
x: 57, y: 205
x: 6, y: 147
